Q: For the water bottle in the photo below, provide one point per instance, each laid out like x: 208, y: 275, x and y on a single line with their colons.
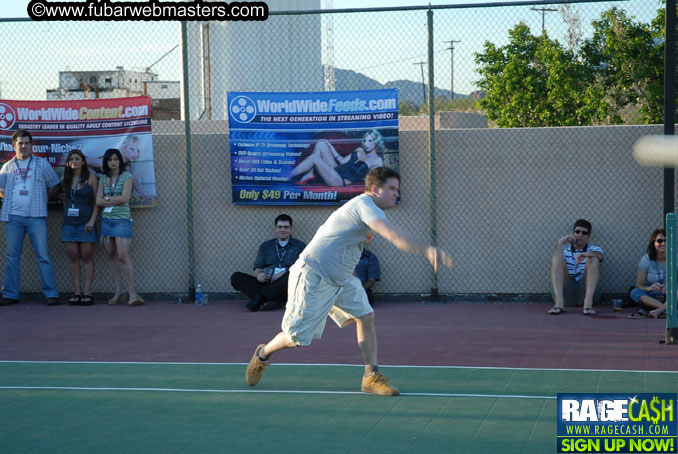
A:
x: 198, y: 295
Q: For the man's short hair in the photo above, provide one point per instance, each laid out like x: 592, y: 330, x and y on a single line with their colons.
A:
x: 583, y: 223
x: 19, y: 134
x: 283, y: 217
x: 378, y: 176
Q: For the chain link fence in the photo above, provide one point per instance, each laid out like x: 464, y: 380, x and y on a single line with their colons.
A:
x: 509, y: 178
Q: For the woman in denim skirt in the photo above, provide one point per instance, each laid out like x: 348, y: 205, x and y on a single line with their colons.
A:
x: 78, y: 231
x: 115, y: 190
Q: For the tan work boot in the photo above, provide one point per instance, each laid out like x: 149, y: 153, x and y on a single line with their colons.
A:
x: 378, y: 384
x: 255, y: 369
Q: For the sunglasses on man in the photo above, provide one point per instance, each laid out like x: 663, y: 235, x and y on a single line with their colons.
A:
x: 581, y: 232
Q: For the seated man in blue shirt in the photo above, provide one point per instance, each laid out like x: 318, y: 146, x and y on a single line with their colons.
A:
x: 368, y: 271
x: 575, y: 270
x: 267, y: 289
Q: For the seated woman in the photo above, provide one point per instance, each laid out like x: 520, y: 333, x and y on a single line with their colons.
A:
x: 337, y: 170
x: 650, y: 290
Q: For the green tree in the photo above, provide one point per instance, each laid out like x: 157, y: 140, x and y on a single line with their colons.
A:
x: 407, y: 107
x: 532, y: 81
x: 628, y: 59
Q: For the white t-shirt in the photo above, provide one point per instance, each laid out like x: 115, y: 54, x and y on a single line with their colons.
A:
x: 21, y: 203
x: 335, y: 249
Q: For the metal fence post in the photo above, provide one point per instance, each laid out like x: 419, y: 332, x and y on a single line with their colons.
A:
x: 189, y: 167
x: 432, y: 149
x: 669, y: 97
x: 671, y: 280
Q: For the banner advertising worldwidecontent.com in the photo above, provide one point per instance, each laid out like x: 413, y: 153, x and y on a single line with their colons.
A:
x: 90, y: 125
x: 617, y: 423
x: 310, y: 148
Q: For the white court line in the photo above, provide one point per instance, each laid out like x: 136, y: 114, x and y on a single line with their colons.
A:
x: 253, y: 391
x: 347, y: 365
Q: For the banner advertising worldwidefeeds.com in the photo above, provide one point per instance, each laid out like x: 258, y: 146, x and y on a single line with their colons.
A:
x: 90, y: 125
x: 618, y: 423
x: 310, y: 148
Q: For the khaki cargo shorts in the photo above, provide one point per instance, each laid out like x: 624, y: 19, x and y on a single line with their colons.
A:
x: 310, y: 299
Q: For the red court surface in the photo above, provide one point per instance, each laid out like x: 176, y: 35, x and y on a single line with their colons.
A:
x: 512, y: 335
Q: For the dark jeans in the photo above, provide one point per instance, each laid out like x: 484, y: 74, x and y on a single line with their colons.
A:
x: 250, y: 286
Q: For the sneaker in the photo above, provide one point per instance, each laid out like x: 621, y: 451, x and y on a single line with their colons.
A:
x: 8, y: 301
x: 378, y: 384
x: 53, y: 301
x: 255, y: 369
x: 255, y: 303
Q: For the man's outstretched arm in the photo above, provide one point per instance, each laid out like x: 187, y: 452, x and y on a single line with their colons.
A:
x: 406, y: 242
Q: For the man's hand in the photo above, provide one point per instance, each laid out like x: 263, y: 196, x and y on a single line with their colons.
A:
x: 437, y: 256
x: 263, y: 278
x: 581, y: 257
x: 567, y: 239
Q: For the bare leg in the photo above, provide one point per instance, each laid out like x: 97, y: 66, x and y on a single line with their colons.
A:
x: 122, y: 246
x: 591, y: 279
x: 558, y: 276
x: 651, y: 302
x: 109, y: 245
x: 322, y: 159
x: 279, y: 342
x: 87, y: 253
x: 74, y: 264
x: 367, y: 341
x: 658, y: 311
x: 322, y: 150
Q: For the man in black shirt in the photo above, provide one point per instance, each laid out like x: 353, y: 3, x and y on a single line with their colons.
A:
x: 267, y: 289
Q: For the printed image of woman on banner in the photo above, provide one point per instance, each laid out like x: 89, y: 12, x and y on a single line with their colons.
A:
x: 332, y: 168
x: 131, y: 147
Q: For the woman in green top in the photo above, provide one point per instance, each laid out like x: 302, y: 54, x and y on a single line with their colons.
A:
x: 113, y: 194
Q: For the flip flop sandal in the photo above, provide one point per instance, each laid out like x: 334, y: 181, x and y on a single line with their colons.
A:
x: 637, y: 315
x: 87, y: 300
x: 75, y: 301
x: 556, y: 311
x: 589, y: 311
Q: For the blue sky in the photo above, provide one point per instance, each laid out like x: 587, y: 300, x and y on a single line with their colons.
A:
x: 384, y: 46
x: 17, y: 8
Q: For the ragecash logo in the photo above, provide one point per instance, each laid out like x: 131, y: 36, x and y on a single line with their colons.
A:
x: 621, y: 423
x: 7, y: 116
x: 243, y: 109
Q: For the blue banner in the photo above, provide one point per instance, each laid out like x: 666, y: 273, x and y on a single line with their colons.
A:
x: 310, y: 148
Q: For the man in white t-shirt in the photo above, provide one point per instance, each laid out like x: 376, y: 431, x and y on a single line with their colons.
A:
x: 26, y: 182
x: 321, y: 282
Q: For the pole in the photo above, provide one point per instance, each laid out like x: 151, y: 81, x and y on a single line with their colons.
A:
x: 543, y: 16
x: 432, y: 150
x: 670, y: 129
x: 189, y: 167
x: 451, y: 48
x: 669, y: 97
x: 423, y: 83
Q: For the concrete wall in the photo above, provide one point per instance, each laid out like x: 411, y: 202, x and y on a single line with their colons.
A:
x: 503, y: 198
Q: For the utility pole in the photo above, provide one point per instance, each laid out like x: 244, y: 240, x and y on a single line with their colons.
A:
x: 543, y: 14
x: 451, y: 49
x: 423, y: 84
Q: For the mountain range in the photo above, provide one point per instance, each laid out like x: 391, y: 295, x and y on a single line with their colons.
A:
x: 347, y: 79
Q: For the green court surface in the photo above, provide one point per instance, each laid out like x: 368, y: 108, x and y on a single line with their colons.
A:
x: 208, y: 408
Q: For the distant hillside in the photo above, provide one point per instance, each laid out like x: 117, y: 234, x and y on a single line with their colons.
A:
x: 347, y: 79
